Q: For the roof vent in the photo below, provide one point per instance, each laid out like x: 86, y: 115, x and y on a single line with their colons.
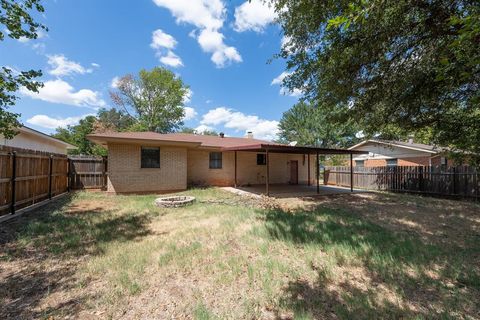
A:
x: 249, y: 134
x: 222, y: 135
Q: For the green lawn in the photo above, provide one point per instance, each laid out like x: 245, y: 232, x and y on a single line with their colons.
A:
x: 352, y: 256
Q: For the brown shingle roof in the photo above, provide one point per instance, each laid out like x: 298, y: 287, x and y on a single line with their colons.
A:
x: 203, y: 140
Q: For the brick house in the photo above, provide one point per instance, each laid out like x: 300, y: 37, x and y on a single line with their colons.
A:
x: 398, y: 153
x: 151, y: 162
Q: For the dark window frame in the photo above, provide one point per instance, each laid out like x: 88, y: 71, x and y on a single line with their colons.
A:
x: 215, y: 160
x: 151, y: 163
x: 392, y: 164
x: 261, y: 159
x: 357, y: 163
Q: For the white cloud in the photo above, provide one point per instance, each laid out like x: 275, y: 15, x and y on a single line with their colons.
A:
x: 279, y: 79
x: 171, y: 59
x: 163, y: 44
x: 208, y: 17
x: 286, y: 45
x: 202, y: 128
x: 284, y: 91
x: 45, y: 121
x: 188, y: 96
x: 59, y: 91
x: 253, y: 15
x: 161, y: 39
x: 61, y: 66
x: 238, y: 121
x: 114, y: 83
x: 190, y: 113
x: 40, y: 35
x: 96, y: 65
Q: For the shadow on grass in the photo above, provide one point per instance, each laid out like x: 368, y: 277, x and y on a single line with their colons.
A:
x: 60, y: 232
x: 42, y: 249
x: 21, y: 293
x: 436, y: 281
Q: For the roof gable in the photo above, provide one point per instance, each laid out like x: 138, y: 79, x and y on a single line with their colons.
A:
x: 184, y: 138
x: 399, y: 144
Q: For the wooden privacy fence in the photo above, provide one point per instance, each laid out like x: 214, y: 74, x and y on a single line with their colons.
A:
x: 88, y: 172
x: 460, y: 181
x: 30, y: 177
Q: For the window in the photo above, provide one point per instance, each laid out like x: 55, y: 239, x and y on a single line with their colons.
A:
x: 392, y: 162
x: 261, y: 159
x: 150, y: 157
x: 360, y: 163
x: 215, y: 160
x: 443, y: 161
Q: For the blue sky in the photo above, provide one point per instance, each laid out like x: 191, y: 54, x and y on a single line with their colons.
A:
x: 219, y: 48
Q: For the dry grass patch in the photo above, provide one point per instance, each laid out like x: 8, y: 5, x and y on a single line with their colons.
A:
x: 360, y: 256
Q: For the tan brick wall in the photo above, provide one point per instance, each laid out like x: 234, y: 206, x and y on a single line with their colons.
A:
x: 411, y: 161
x: 416, y: 161
x: 248, y: 172
x: 374, y: 163
x: 126, y: 175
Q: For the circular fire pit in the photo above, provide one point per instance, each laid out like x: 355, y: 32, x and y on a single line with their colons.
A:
x: 175, y: 201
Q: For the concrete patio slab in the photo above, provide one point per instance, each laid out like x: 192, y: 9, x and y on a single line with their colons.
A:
x: 290, y: 191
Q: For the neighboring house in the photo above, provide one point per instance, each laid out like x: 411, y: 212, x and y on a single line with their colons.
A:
x: 28, y: 138
x: 397, y: 153
x: 152, y: 162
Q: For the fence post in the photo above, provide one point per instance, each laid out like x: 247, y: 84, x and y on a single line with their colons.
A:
x: 68, y: 174
x: 14, y: 178
x: 420, y: 179
x: 351, y: 172
x: 454, y: 169
x: 50, y: 177
x: 104, y: 172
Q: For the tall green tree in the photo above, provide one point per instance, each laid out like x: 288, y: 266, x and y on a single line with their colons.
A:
x: 16, y: 22
x: 155, y: 98
x: 113, y: 120
x: 413, y: 65
x: 77, y: 135
x: 310, y: 125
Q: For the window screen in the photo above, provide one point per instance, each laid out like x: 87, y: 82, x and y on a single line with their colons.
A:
x: 392, y: 162
x: 360, y: 163
x: 215, y: 160
x: 261, y: 159
x: 150, y: 157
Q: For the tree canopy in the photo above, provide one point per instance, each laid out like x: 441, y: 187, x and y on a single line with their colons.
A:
x: 154, y: 98
x: 389, y: 65
x: 310, y: 125
x: 77, y: 135
x: 16, y: 22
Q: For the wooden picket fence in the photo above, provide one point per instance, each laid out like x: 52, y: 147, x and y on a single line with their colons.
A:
x: 88, y: 172
x: 461, y: 181
x: 31, y: 177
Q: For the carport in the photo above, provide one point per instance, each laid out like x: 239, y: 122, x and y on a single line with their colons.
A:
x: 309, y: 151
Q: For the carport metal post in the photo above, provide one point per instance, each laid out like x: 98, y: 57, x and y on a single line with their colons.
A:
x: 308, y: 163
x: 318, y: 173
x: 351, y: 172
x: 267, y: 178
x: 235, y: 169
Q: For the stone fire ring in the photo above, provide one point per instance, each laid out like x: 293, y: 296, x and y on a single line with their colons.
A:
x: 174, y: 201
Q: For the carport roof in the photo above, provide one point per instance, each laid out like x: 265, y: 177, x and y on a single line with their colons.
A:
x: 279, y: 148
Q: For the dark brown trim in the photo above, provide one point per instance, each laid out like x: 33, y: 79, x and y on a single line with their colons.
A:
x: 277, y: 148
